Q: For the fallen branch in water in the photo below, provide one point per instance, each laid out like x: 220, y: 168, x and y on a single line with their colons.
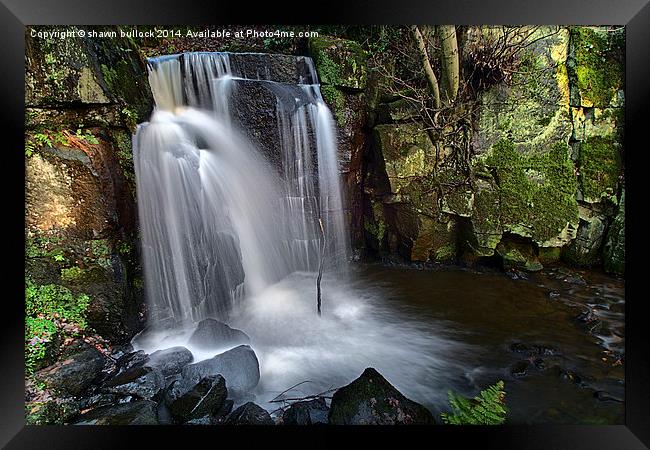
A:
x: 320, y: 266
x: 290, y: 401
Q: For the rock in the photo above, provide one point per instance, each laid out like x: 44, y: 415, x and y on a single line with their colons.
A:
x: 518, y: 256
x: 606, y: 396
x: 52, y: 412
x: 142, y: 412
x: 131, y: 360
x: 207, y: 397
x: 140, y: 381
x: 520, y: 369
x: 211, y: 333
x: 249, y: 414
x: 371, y: 400
x: 171, y: 360
x: 77, y: 369
x: 339, y: 62
x: 533, y: 350
x: 614, y: 249
x: 238, y: 366
x: 310, y: 412
x: 585, y: 250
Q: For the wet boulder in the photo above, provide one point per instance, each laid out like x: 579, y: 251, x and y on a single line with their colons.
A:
x: 171, y: 360
x: 142, y: 382
x: 371, y: 400
x: 142, y: 412
x: 211, y: 333
x: 78, y: 368
x: 238, y: 366
x: 310, y: 412
x: 205, y: 398
x: 249, y: 414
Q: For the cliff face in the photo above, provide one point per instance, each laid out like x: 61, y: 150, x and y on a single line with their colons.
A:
x: 544, y: 159
x: 83, y: 98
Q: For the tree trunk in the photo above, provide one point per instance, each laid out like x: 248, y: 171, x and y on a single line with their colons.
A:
x: 428, y: 70
x: 450, y: 65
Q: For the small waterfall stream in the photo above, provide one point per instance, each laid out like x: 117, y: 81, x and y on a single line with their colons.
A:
x: 218, y: 217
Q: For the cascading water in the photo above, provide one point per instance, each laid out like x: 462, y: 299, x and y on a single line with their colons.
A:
x: 216, y: 216
x: 234, y: 171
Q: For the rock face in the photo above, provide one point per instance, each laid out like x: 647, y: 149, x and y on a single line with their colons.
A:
x: 83, y: 96
x: 142, y: 412
x: 76, y: 370
x: 545, y: 160
x: 205, y: 398
x: 171, y: 360
x: 310, y: 412
x: 249, y: 414
x: 371, y: 400
x: 238, y: 366
x: 211, y: 333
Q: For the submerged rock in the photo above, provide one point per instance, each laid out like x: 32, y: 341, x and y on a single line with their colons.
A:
x: 371, y: 400
x: 205, y: 398
x: 238, y: 366
x: 141, y: 412
x: 211, y: 333
x: 306, y: 413
x: 249, y: 414
x: 171, y: 360
x: 77, y: 369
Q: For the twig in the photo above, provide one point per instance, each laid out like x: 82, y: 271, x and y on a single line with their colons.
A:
x: 320, y: 266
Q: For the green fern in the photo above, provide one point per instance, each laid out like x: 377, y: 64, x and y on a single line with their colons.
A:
x: 487, y: 408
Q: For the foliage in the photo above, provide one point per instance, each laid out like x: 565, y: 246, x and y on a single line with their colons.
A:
x: 51, y: 311
x: 487, y: 408
x: 65, y: 138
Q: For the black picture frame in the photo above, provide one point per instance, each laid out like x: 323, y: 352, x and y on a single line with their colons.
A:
x: 16, y: 14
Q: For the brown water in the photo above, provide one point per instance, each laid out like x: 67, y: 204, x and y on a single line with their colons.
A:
x: 491, y: 311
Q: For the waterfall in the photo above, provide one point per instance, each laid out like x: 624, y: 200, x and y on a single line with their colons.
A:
x: 226, y: 206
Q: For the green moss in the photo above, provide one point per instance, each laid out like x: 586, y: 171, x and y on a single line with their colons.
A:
x: 599, y: 68
x: 537, y: 192
x: 599, y: 165
x: 339, y: 62
x: 48, y: 309
x: 336, y: 101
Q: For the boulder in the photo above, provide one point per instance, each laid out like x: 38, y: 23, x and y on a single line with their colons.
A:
x: 211, y: 333
x: 142, y: 412
x: 141, y: 381
x: 205, y: 398
x: 371, y: 400
x: 249, y: 414
x: 238, y: 366
x: 77, y: 369
x: 310, y: 412
x: 171, y: 360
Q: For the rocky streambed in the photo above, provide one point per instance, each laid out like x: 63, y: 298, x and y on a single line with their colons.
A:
x: 390, y: 344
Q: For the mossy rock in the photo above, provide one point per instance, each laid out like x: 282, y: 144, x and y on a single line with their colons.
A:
x: 614, y: 249
x: 57, y: 411
x: 537, y: 193
x: 339, y: 62
x: 585, y: 250
x: 517, y: 255
x: 600, y: 166
x: 599, y: 64
x: 407, y: 151
x: 486, y: 225
x: 371, y: 400
x: 436, y: 239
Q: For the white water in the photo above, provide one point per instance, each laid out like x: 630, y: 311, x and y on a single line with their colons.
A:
x: 228, y: 235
